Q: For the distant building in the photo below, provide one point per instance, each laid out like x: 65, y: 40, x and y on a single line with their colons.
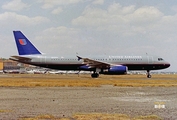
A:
x: 6, y: 64
x: 1, y: 65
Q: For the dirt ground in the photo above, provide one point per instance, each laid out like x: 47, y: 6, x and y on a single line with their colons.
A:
x: 61, y: 102
x: 19, y: 102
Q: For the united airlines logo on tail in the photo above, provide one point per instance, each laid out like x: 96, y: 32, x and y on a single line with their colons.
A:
x: 22, y: 42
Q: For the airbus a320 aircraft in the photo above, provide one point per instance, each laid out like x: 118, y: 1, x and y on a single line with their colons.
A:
x: 111, y: 65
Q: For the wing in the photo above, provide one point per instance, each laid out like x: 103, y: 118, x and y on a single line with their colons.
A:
x: 95, y: 63
x: 19, y: 58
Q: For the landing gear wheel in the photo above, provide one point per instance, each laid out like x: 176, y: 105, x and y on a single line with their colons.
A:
x: 148, y: 74
x: 95, y: 75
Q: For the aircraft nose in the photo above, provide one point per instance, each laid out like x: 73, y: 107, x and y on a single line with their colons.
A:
x: 166, y: 64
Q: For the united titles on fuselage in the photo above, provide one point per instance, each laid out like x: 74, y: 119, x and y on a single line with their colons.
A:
x: 125, y: 57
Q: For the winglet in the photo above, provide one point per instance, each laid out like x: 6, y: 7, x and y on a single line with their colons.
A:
x: 79, y: 58
x: 24, y: 46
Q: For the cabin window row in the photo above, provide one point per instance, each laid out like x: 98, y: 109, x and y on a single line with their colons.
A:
x: 98, y: 59
x: 64, y: 59
x: 116, y: 59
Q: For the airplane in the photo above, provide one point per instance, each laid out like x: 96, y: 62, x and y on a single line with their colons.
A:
x: 110, y: 65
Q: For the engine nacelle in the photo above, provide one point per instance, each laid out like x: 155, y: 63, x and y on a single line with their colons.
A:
x: 117, y: 70
x: 86, y: 68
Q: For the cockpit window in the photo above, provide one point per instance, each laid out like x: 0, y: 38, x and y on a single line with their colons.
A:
x: 160, y: 59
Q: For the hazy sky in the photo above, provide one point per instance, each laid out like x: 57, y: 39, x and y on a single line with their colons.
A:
x: 92, y: 27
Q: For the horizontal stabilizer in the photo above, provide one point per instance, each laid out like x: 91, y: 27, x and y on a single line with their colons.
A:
x: 19, y: 58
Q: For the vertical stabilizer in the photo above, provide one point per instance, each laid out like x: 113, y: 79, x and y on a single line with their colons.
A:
x: 24, y: 46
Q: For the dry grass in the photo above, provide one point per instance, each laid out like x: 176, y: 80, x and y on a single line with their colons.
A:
x: 99, y: 116
x: 5, y: 111
x: 151, y: 117
x: 26, y: 80
x: 40, y: 117
x: 95, y: 116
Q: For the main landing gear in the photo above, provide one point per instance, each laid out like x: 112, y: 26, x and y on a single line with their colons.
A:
x: 95, y: 75
x: 148, y: 74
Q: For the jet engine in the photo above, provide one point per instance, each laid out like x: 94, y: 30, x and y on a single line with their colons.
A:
x: 84, y: 67
x: 117, y: 70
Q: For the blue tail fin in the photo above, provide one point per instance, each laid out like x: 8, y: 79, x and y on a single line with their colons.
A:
x: 24, y: 46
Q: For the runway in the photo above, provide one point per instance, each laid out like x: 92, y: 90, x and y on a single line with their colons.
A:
x: 64, y: 102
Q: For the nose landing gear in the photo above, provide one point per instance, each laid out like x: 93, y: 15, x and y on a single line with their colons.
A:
x: 148, y: 74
